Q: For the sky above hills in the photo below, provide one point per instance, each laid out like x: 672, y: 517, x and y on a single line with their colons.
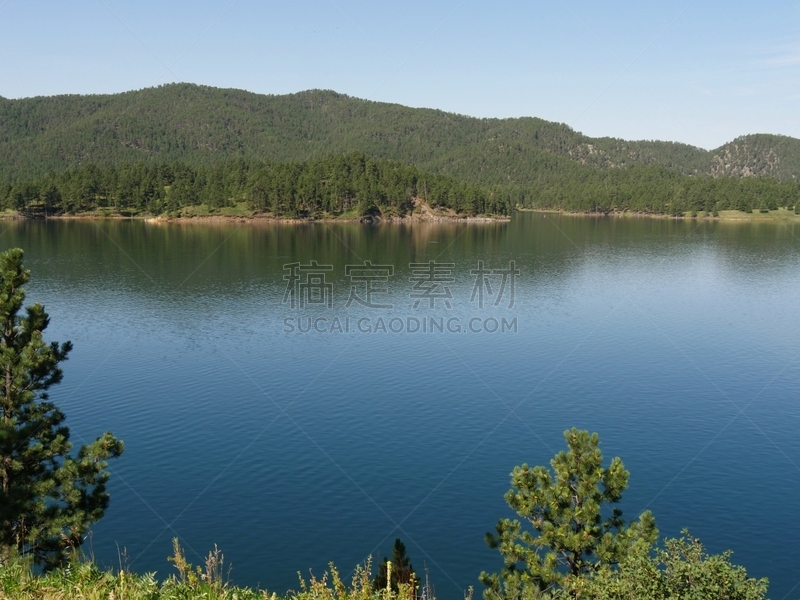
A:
x: 701, y: 72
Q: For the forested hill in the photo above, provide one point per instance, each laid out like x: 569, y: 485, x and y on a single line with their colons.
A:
x: 200, y: 125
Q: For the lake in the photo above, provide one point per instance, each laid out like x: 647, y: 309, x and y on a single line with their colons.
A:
x: 677, y: 341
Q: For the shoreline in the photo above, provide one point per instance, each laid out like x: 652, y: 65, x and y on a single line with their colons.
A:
x: 774, y: 216
x: 421, y: 212
x: 309, y: 220
x: 262, y: 218
x: 426, y: 216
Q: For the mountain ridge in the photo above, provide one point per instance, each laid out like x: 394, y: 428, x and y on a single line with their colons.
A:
x: 202, y: 125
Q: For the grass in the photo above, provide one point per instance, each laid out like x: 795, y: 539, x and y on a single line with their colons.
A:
x: 242, y: 210
x: 781, y: 214
x: 85, y: 581
x: 82, y: 579
x: 239, y: 210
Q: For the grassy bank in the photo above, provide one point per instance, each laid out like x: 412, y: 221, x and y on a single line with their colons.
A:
x: 84, y: 580
x: 202, y: 213
x: 781, y: 214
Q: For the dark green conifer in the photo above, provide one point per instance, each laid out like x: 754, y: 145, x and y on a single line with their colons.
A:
x: 573, y: 533
x: 402, y: 570
x: 48, y: 496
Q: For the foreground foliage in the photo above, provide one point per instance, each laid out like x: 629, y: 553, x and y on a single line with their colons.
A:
x: 82, y: 579
x: 395, y: 572
x: 572, y: 532
x: 576, y: 546
x: 48, y: 496
x: 682, y: 570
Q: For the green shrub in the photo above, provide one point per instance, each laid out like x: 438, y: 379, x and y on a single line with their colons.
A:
x: 680, y: 571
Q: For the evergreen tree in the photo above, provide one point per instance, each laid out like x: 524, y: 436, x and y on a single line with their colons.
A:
x: 48, y: 498
x: 402, y: 570
x: 574, y: 533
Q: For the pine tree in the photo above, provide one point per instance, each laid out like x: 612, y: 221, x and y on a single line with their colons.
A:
x: 573, y: 532
x: 48, y: 497
x: 402, y: 572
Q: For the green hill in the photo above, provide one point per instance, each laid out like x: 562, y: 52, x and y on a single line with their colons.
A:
x: 175, y: 146
x: 201, y: 125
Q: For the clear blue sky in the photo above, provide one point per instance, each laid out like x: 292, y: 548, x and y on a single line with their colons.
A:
x: 701, y: 72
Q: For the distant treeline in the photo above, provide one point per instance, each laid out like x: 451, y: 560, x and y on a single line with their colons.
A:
x: 346, y: 183
x: 656, y: 190
x: 359, y: 185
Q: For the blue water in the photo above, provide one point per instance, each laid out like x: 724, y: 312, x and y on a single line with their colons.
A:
x: 677, y: 341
